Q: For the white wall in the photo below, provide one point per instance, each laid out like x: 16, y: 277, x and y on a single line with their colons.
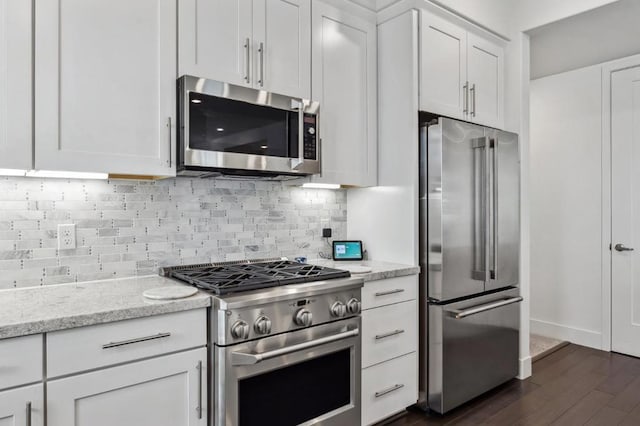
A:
x: 565, y: 206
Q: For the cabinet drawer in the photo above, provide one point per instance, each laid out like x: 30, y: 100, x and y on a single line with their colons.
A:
x: 388, y: 332
x: 20, y: 361
x: 86, y: 348
x: 387, y: 292
x: 389, y: 388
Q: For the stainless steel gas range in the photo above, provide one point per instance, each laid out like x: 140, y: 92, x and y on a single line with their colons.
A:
x: 285, y: 342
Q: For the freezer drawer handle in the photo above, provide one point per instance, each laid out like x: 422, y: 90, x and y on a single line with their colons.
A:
x: 387, y: 391
x: 389, y: 334
x: 138, y: 340
x: 458, y: 314
x: 387, y: 293
x: 242, y: 358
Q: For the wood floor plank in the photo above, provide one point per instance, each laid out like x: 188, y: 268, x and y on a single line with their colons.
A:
x: 629, y: 398
x: 561, y: 403
x: 607, y: 416
x: 586, y: 408
x: 573, y: 386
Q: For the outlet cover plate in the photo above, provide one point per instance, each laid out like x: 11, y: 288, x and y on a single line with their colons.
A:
x: 67, y: 236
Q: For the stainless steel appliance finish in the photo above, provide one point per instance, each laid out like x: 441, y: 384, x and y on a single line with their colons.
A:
x: 286, y: 354
x: 231, y: 157
x: 473, y: 347
x: 469, y: 255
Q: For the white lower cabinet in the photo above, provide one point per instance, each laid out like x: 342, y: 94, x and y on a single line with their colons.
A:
x: 164, y: 391
x: 22, y: 406
x: 389, y: 347
x: 389, y: 387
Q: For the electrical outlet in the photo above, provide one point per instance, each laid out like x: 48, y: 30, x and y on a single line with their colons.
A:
x: 67, y: 236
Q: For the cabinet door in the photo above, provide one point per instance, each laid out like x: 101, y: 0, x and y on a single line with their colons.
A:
x: 215, y: 39
x: 15, y: 84
x: 282, y: 48
x: 22, y: 406
x: 443, y: 67
x: 344, y: 82
x: 165, y: 391
x: 486, y: 81
x: 105, y: 78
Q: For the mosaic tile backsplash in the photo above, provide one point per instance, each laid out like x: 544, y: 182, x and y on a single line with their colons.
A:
x: 127, y: 228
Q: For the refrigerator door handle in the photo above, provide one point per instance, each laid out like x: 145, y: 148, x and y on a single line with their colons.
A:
x: 481, y: 244
x: 474, y: 310
x: 493, y: 272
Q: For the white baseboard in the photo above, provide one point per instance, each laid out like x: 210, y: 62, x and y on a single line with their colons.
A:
x: 579, y: 336
x: 525, y: 368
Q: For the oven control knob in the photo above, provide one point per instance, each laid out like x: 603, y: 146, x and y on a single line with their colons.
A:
x: 303, y: 318
x: 240, y: 330
x: 354, y: 306
x: 262, y: 325
x: 338, y: 309
x: 311, y: 130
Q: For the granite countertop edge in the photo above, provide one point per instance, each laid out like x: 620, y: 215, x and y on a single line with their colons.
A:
x: 380, y: 270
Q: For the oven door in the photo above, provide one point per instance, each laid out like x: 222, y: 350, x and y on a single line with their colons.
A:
x: 235, y: 129
x: 309, y: 377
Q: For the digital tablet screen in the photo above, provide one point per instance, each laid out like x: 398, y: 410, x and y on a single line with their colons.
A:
x: 347, y: 250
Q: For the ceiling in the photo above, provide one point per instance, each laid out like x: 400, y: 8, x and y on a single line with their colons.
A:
x: 599, y: 35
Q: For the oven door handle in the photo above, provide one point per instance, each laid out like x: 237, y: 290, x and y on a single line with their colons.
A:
x: 242, y: 358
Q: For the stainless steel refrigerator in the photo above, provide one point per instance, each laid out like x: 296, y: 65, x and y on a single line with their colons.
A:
x: 469, y: 256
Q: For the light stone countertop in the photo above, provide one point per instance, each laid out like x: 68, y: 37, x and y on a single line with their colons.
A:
x: 379, y: 270
x: 56, y: 307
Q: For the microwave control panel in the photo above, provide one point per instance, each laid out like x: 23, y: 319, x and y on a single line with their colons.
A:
x: 310, y: 132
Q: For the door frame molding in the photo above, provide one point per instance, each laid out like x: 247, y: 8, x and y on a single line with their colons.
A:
x: 607, y: 282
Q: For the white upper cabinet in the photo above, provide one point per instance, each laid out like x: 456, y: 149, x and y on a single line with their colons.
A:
x: 345, y: 82
x: 283, y: 46
x: 105, y: 82
x: 461, y: 73
x: 264, y: 44
x: 15, y: 84
x: 443, y: 67
x: 485, y: 71
x: 215, y: 39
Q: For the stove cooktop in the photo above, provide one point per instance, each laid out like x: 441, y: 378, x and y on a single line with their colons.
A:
x: 228, y: 278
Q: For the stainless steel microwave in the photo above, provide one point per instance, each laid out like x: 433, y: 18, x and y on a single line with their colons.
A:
x: 231, y: 130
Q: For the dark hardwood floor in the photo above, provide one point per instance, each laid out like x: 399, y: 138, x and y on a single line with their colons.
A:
x: 573, y: 386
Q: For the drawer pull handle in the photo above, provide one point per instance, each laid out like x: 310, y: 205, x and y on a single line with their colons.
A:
x: 387, y: 391
x: 386, y: 293
x: 28, y: 413
x: 138, y: 340
x: 389, y: 334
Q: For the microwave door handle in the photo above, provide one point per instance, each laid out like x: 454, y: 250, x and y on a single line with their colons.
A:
x: 243, y: 358
x: 297, y: 162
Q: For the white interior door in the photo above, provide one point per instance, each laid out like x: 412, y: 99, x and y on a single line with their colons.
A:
x: 625, y: 207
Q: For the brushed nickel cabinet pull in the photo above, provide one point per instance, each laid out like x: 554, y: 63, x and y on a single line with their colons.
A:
x: 137, y: 340
x: 473, y: 100
x: 386, y: 293
x: 199, y: 407
x: 28, y: 413
x: 389, y: 334
x: 170, y: 139
x: 261, y: 52
x: 387, y: 391
x: 247, y: 59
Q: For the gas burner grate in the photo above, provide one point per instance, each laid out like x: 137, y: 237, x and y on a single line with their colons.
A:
x: 228, y: 278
